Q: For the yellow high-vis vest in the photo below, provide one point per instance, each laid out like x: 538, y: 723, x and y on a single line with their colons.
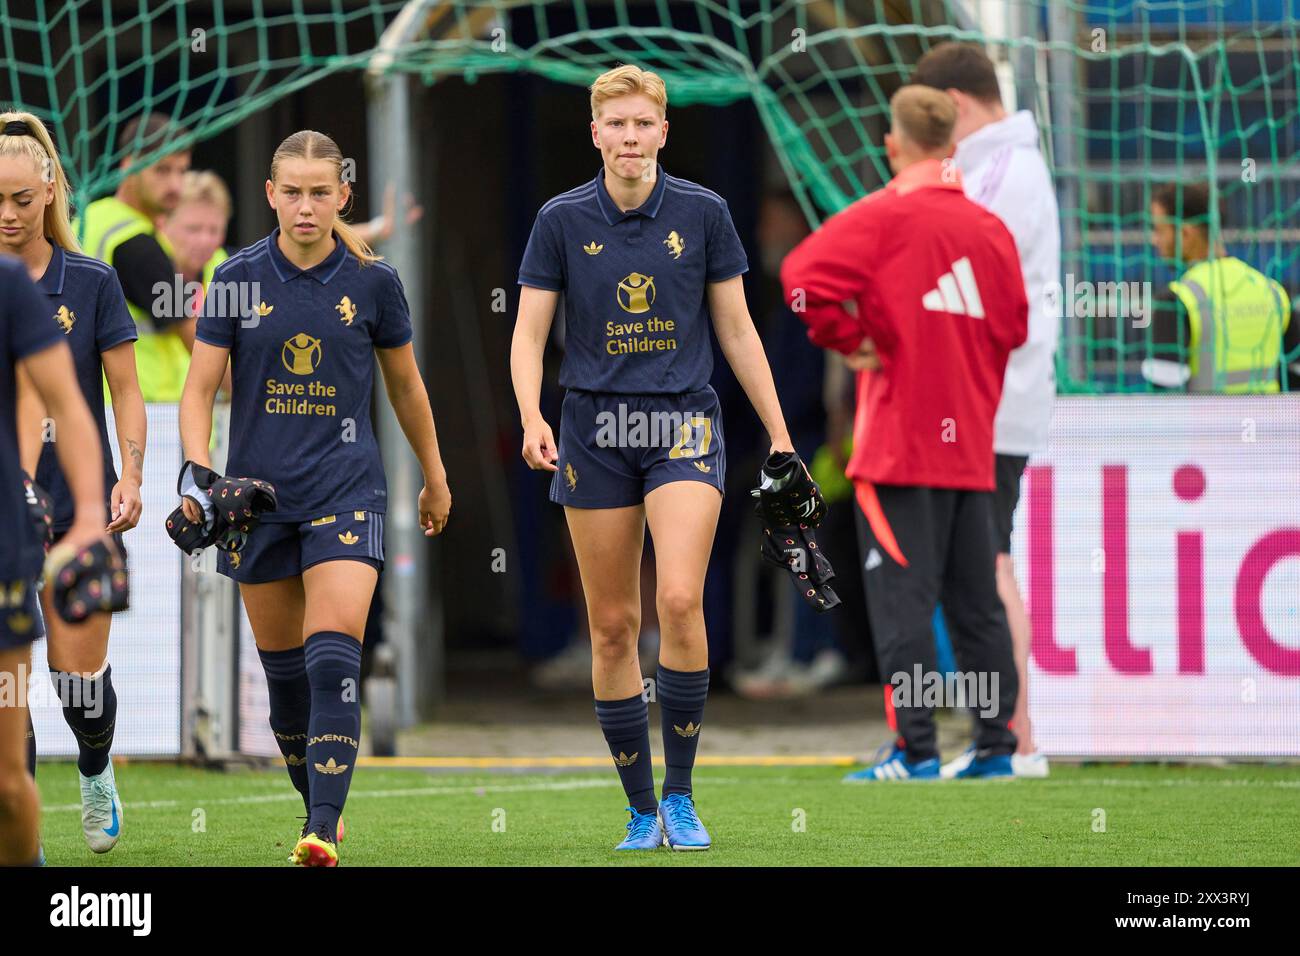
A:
x: 1237, y: 316
x: 161, y: 358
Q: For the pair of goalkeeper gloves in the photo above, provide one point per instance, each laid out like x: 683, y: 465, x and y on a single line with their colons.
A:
x: 85, y: 581
x: 232, y: 509
x: 790, y: 505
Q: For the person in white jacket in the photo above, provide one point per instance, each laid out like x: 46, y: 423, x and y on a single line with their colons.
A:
x: 1003, y: 170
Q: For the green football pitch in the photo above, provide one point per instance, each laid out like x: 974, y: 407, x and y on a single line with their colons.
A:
x: 1101, y: 814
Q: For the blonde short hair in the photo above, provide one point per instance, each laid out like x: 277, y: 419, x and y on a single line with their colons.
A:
x: 628, y: 80
x: 924, y: 115
x: 206, y: 187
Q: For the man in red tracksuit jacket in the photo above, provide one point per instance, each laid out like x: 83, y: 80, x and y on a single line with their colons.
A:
x: 937, y: 304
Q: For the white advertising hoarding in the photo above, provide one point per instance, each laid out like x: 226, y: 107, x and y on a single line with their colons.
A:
x: 1157, y: 544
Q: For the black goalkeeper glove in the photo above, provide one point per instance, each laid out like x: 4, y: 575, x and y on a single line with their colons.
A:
x: 790, y: 505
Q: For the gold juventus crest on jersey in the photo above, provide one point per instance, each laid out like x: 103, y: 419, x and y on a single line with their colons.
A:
x: 65, y: 317
x: 676, y: 244
x: 346, y: 310
x: 301, y: 354
x: 592, y: 249
x: 636, y: 293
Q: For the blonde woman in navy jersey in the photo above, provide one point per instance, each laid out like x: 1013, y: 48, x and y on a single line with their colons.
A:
x: 82, y: 299
x: 646, y: 262
x: 302, y: 315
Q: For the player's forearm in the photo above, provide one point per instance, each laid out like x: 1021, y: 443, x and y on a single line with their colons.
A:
x: 129, y: 416
x: 744, y: 353
x: 411, y: 406
x: 128, y: 411
x: 196, y: 422
x: 30, y: 416
x: 526, y: 373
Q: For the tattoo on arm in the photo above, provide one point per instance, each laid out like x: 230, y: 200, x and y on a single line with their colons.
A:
x: 137, y: 456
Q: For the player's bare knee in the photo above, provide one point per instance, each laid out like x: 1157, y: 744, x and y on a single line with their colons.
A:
x: 679, y: 608
x: 15, y: 785
x: 614, y: 636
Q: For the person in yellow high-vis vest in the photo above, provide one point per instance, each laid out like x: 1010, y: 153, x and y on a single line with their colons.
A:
x: 196, y: 231
x: 122, y: 231
x: 1230, y: 323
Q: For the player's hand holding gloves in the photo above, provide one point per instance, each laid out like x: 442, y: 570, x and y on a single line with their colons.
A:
x: 222, y: 511
x: 790, y: 505
x: 88, y: 579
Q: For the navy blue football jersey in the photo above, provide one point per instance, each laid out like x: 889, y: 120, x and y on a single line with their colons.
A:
x: 302, y: 347
x: 634, y: 283
x: 84, y: 301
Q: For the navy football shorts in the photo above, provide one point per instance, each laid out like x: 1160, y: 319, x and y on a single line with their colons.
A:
x: 20, y: 616
x: 275, y: 551
x: 616, y: 448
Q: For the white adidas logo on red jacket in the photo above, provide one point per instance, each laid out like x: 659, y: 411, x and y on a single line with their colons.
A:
x: 957, y: 293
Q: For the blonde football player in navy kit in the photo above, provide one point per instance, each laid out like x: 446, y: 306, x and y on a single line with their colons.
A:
x: 83, y: 301
x: 646, y: 262
x: 302, y: 315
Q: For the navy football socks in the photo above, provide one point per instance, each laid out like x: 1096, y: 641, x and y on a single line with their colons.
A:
x: 626, y: 725
x: 90, y: 710
x: 681, y: 708
x: 334, y: 732
x: 286, y: 683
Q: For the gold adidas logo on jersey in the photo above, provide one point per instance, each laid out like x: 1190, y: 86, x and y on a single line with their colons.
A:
x: 346, y: 310
x: 570, y: 476
x: 263, y: 310
x: 329, y: 766
x: 623, y: 760
x: 592, y: 249
x: 701, y: 466
x: 347, y: 537
x: 293, y: 760
x: 676, y: 244
x: 690, y: 730
x: 65, y: 317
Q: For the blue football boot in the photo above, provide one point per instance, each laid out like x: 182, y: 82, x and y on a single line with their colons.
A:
x: 643, y: 832
x: 682, y: 827
x: 895, y: 766
x: 987, y: 767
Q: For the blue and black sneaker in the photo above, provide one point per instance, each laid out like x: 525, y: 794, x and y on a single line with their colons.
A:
x: 682, y: 827
x: 895, y: 766
x: 643, y: 832
x: 987, y: 767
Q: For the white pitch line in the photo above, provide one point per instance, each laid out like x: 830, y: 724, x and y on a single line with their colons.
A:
x: 293, y: 795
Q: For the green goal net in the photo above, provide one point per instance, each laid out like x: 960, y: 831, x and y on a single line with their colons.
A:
x: 1128, y: 95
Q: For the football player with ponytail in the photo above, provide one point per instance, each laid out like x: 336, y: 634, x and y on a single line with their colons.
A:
x: 82, y: 300
x: 302, y: 315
